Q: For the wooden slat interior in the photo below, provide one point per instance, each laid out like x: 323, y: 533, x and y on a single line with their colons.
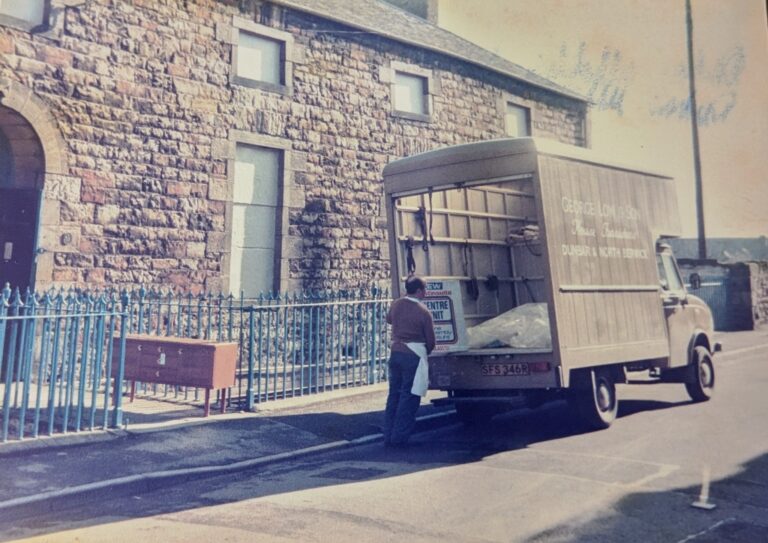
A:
x: 471, y: 227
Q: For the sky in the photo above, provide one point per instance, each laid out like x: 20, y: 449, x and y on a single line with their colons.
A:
x: 630, y: 58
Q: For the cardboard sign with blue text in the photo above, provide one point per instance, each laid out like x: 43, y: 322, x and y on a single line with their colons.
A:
x: 443, y: 299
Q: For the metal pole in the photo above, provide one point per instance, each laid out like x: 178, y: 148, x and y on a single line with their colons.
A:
x: 695, y: 134
x: 117, y: 411
x: 251, y: 356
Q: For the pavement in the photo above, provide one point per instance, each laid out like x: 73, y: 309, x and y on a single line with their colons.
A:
x: 53, y: 473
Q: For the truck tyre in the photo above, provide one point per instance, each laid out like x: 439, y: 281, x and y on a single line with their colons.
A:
x: 702, y: 383
x: 597, y: 404
x: 475, y: 414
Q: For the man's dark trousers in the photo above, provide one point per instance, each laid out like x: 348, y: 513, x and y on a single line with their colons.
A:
x: 400, y: 414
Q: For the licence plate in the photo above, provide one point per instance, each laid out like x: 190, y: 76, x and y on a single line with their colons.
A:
x: 504, y: 370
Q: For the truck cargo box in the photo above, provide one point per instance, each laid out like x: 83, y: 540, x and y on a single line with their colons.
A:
x: 526, y: 220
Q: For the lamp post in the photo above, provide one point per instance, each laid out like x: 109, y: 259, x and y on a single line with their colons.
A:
x: 695, y: 134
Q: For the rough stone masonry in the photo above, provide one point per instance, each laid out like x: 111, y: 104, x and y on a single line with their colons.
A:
x: 142, y: 97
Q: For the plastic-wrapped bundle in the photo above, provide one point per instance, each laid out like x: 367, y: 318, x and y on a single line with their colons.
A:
x: 523, y: 327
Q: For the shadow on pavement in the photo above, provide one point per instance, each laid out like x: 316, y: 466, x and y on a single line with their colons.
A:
x: 454, y: 446
x: 632, y: 407
x: 739, y: 517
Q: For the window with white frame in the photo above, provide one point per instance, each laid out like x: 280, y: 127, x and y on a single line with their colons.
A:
x: 29, y: 11
x: 411, y: 93
x: 259, y: 58
x: 255, y: 216
x: 517, y: 121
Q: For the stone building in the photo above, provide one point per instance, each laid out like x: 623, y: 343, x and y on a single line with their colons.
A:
x: 228, y: 145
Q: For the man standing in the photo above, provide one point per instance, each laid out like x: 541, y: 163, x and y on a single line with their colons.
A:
x: 413, y: 335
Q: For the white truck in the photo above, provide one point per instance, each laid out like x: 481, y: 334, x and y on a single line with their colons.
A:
x: 520, y: 221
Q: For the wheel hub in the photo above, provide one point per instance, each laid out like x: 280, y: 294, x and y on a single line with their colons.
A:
x: 603, y: 397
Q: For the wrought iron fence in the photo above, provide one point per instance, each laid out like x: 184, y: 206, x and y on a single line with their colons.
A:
x: 55, y: 370
x: 289, y: 344
x: 56, y: 361
x: 311, y: 345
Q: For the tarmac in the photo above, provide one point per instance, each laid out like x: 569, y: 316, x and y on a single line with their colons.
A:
x: 175, y: 443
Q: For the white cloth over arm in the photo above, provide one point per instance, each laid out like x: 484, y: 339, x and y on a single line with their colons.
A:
x: 421, y: 380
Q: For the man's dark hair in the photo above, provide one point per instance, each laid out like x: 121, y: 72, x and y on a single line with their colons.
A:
x: 414, y: 283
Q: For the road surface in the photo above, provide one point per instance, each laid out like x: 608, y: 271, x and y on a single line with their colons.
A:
x: 528, y: 476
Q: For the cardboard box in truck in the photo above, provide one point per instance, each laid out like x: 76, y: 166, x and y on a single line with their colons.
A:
x: 522, y: 224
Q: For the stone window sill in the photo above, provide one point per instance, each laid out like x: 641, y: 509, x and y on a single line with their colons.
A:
x: 263, y: 85
x: 421, y: 117
x: 21, y: 24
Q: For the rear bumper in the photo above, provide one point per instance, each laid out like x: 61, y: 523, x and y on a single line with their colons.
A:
x: 513, y: 371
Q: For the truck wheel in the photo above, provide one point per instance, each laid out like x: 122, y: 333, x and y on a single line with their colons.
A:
x: 597, y: 405
x: 474, y: 414
x: 702, y: 386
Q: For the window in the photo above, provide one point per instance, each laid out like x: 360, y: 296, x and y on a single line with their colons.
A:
x: 411, y: 93
x: 260, y: 59
x: 413, y: 90
x: 668, y: 274
x: 262, y: 56
x: 29, y: 11
x: 255, y: 216
x: 517, y: 121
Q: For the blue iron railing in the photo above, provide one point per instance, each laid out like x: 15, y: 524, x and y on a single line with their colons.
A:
x: 57, y: 362
x: 55, y: 353
x: 308, y: 345
x: 289, y: 345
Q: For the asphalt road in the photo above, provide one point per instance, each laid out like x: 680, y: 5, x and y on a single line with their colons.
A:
x: 528, y: 476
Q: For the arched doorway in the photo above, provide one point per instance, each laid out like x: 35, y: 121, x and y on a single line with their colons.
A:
x: 33, y: 176
x: 22, y: 166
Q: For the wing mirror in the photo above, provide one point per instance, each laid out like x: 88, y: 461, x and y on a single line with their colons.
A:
x: 694, y: 280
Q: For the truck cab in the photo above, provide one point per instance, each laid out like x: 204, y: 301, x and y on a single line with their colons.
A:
x: 690, y: 327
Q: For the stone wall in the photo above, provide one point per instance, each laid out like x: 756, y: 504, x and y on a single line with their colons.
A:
x: 140, y: 92
x: 758, y: 272
x: 741, y: 303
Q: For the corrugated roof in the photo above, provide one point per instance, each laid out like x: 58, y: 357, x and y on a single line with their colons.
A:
x: 386, y: 20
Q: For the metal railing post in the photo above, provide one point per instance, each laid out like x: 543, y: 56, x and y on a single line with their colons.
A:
x: 42, y: 370
x: 110, y: 355
x: 373, y: 339
x: 251, y: 358
x: 117, y: 411
x: 3, y: 324
x: 10, y: 366
x: 28, y: 347
x: 142, y: 295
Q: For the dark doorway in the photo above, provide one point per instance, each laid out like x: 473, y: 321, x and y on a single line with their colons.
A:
x: 21, y: 167
x: 18, y: 224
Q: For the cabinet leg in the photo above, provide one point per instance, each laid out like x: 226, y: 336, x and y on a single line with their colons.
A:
x: 223, y: 393
x: 207, y: 402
